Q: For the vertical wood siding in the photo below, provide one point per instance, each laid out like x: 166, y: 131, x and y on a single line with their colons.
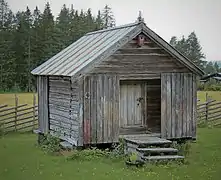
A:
x: 178, y: 107
x: 101, y: 109
x: 42, y: 87
x: 64, y: 108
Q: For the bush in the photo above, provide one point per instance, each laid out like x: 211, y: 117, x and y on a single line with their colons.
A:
x: 94, y: 153
x: 88, y: 154
x: 184, y: 148
x: 50, y: 144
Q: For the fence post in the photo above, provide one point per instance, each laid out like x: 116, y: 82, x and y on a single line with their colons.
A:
x: 34, y: 110
x: 207, y: 108
x: 16, y: 111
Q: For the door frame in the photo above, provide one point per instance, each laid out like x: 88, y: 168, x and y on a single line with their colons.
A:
x: 134, y: 129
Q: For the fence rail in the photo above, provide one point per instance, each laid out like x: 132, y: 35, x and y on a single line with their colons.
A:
x: 20, y: 117
x: 209, y: 113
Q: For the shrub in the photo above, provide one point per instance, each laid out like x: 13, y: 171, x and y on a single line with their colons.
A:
x: 184, y: 148
x: 88, y: 154
x: 50, y: 144
x: 94, y: 153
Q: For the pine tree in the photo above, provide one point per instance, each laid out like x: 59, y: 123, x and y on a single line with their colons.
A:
x: 63, y: 26
x: 22, y: 48
x: 90, y: 24
x: 99, y: 22
x: 209, y: 69
x: 191, y: 48
x: 108, y: 17
x: 50, y: 38
x: 28, y: 39
x: 6, y: 41
x: 216, y: 67
x: 195, y: 50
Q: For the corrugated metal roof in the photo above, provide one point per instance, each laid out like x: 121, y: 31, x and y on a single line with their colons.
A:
x: 79, y: 54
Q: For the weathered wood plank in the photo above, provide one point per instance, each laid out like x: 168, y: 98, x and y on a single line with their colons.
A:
x: 90, y: 108
x: 173, y: 105
x: 111, y: 96
x: 62, y: 118
x: 179, y: 105
x: 139, y: 64
x: 185, y: 92
x: 63, y: 131
x: 59, y: 78
x: 191, y: 104
x: 99, y: 109
x: 105, y: 120
x: 169, y: 125
x: 163, y: 105
x: 86, y: 111
x: 94, y: 109
x: 81, y: 112
x: 194, y: 114
x: 43, y: 103
x: 116, y: 90
x: 188, y: 106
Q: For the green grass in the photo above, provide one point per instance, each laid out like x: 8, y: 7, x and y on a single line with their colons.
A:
x: 23, y: 98
x: 22, y: 160
x: 27, y: 98
x: 213, y: 94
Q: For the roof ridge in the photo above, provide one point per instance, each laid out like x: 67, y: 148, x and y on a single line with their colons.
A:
x: 113, y: 28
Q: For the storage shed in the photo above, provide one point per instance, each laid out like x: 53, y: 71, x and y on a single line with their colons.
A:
x: 118, y: 81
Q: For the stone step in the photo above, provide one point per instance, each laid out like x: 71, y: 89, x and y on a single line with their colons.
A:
x: 157, y: 158
x: 157, y: 150
x: 147, y: 141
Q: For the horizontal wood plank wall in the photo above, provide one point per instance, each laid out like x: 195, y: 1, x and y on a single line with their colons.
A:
x: 178, y: 107
x: 133, y: 62
x: 101, y: 109
x: 42, y: 88
x: 64, y: 108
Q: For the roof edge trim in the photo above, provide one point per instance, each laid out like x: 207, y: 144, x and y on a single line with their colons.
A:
x: 113, y: 28
x: 173, y: 51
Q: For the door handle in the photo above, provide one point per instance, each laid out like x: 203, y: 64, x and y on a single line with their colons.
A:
x: 139, y: 99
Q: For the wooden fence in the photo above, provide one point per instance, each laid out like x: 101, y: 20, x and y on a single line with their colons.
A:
x: 20, y: 117
x: 209, y: 113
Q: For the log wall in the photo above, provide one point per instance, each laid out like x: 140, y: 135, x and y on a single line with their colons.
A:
x: 64, y: 108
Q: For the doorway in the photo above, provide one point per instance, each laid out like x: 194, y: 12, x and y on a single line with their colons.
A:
x: 140, y: 106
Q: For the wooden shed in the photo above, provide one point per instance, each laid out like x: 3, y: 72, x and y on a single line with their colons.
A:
x: 118, y: 81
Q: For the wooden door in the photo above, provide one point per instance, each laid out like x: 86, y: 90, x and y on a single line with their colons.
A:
x: 131, y: 104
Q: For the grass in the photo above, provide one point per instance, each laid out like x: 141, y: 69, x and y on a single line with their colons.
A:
x: 22, y: 160
x: 213, y: 94
x: 23, y: 98
x: 9, y: 99
x: 27, y: 98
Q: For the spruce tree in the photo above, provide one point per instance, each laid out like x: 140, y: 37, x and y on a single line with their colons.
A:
x: 191, y: 48
x: 99, y: 22
x: 6, y: 40
x: 108, y: 17
x: 63, y: 26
